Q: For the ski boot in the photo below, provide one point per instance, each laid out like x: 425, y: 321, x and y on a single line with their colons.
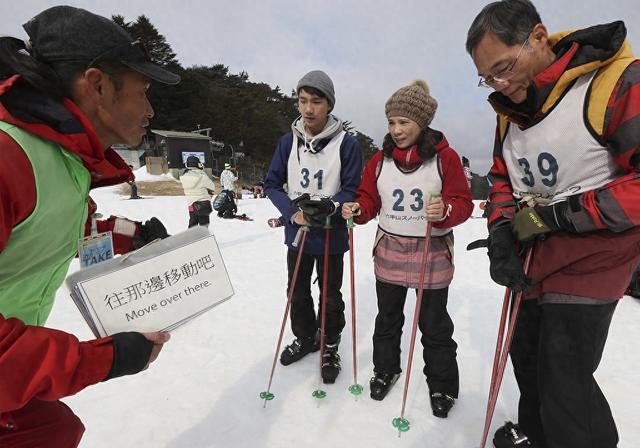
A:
x: 298, y: 349
x: 380, y: 384
x: 441, y: 404
x: 330, y: 363
x: 510, y: 436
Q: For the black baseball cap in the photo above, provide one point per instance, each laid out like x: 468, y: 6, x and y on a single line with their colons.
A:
x: 65, y: 33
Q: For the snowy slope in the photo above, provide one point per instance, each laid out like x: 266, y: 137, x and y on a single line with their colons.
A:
x: 203, y: 390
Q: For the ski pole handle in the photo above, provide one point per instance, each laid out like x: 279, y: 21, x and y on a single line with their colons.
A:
x: 435, y: 196
x: 350, y: 223
x: 296, y: 240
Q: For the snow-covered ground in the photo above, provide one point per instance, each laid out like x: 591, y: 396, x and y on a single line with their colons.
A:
x: 203, y: 389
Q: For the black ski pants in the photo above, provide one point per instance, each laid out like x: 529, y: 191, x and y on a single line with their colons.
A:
x: 304, y: 320
x: 200, y: 214
x: 439, y: 348
x: 556, y: 349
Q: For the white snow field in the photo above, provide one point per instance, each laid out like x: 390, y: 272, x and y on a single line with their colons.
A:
x: 203, y: 391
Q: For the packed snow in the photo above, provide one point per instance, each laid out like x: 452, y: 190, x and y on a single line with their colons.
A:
x: 203, y: 391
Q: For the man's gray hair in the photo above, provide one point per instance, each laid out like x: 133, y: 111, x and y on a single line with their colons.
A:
x: 511, y: 21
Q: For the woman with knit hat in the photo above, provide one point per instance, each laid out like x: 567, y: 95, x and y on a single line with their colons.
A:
x: 416, y: 178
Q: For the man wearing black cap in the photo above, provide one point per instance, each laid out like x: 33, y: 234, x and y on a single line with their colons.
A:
x: 322, y: 161
x: 74, y: 89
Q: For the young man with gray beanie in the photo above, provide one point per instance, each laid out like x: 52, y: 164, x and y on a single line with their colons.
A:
x: 319, y: 161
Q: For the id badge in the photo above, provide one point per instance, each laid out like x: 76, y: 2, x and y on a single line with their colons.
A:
x: 95, y: 249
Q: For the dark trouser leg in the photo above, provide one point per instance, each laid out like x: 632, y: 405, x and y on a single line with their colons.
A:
x: 193, y: 219
x: 524, y: 357
x: 439, y: 348
x: 556, y: 348
x: 303, y: 316
x: 203, y: 220
x: 43, y: 424
x: 134, y: 190
x: 388, y: 328
x: 574, y: 411
x: 335, y: 305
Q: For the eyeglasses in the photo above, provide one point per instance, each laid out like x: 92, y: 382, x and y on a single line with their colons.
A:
x: 504, y: 75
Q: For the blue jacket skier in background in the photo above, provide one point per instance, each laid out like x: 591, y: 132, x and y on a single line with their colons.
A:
x: 320, y: 159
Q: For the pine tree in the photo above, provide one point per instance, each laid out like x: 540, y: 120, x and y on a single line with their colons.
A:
x: 155, y: 43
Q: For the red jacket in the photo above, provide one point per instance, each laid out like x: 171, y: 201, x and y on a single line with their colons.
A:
x: 455, y: 189
x: 621, y: 135
x: 38, y: 362
x: 598, y: 261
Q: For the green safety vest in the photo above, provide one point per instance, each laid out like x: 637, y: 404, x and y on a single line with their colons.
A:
x: 35, y: 261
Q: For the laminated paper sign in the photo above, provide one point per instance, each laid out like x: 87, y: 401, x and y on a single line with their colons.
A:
x: 158, y: 287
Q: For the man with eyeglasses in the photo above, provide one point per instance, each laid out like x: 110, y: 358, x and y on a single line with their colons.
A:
x: 77, y: 87
x: 566, y: 183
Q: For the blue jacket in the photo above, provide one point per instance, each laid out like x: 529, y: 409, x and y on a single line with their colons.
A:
x: 351, y: 168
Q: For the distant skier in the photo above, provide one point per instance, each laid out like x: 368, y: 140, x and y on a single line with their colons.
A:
x: 225, y: 205
x: 319, y: 158
x: 198, y: 189
x: 228, y: 178
x: 134, y: 187
x: 467, y: 170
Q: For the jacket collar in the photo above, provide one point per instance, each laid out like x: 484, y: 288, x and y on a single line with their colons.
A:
x: 577, y: 53
x: 409, y: 159
x: 315, y: 143
x: 63, y: 123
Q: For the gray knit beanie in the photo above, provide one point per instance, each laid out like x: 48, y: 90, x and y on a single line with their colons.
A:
x: 321, y: 81
x: 413, y: 102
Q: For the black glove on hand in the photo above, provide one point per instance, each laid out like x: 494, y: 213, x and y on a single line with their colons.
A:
x: 505, y: 264
x: 149, y: 231
x: 531, y: 223
x: 315, y: 211
x: 131, y: 352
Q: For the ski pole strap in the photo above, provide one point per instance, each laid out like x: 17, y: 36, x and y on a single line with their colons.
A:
x: 478, y: 244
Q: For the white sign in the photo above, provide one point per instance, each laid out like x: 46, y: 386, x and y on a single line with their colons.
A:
x: 158, y: 293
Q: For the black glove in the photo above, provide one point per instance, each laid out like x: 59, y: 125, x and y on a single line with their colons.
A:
x: 315, y: 211
x: 131, y: 352
x: 149, y: 231
x: 505, y: 264
x: 532, y: 223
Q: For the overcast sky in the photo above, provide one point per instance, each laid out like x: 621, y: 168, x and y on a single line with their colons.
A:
x: 369, y: 48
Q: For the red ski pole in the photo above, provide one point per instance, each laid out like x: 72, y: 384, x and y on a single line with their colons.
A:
x: 401, y: 423
x: 500, y: 339
x: 355, y: 388
x: 319, y: 393
x: 267, y: 395
x: 502, y: 348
